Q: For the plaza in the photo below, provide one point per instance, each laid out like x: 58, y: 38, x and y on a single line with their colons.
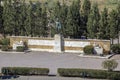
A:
x: 53, y: 61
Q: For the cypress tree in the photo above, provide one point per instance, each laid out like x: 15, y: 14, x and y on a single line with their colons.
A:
x: 113, y: 24
x: 104, y: 28
x: 85, y: 12
x: 73, y: 19
x: 28, y: 21
x: 1, y: 20
x: 93, y: 22
x: 8, y: 17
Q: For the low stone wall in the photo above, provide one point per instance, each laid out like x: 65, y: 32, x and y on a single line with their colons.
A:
x: 70, y: 45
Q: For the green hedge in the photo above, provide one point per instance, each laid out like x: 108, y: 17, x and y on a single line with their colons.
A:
x: 20, y: 48
x: 24, y: 71
x: 88, y: 49
x: 89, y: 73
x: 116, y: 48
x: 5, y: 41
x: 4, y: 48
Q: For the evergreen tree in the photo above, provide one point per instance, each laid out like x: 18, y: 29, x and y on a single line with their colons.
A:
x: 118, y: 18
x: 63, y: 17
x: 113, y: 24
x: 73, y: 20
x: 44, y: 22
x: 104, y: 28
x: 1, y: 20
x: 85, y: 12
x: 8, y: 17
x: 22, y: 17
x: 93, y: 22
x: 28, y: 21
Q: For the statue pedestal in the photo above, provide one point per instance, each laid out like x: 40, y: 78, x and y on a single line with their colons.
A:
x: 59, y: 43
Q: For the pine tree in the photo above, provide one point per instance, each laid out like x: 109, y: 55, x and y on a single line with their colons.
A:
x: 63, y: 17
x: 28, y: 21
x: 104, y: 28
x: 44, y: 22
x: 8, y: 17
x: 1, y: 20
x: 73, y: 20
x: 93, y: 22
x: 113, y: 24
x: 85, y: 12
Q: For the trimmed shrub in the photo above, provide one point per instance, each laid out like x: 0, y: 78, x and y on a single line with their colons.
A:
x: 88, y: 49
x: 24, y: 71
x: 5, y: 41
x: 110, y: 65
x: 89, y: 73
x: 116, y: 48
x: 4, y: 48
x: 20, y: 48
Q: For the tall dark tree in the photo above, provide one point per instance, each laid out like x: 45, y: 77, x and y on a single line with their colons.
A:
x: 104, y: 28
x: 93, y: 22
x: 113, y: 24
x: 1, y: 20
x: 63, y: 17
x: 28, y: 21
x: 73, y: 19
x: 85, y: 12
x: 8, y: 17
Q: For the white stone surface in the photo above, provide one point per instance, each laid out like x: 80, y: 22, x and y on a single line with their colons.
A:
x: 76, y: 43
x: 41, y: 42
x: 58, y: 43
x: 16, y: 44
x: 98, y: 50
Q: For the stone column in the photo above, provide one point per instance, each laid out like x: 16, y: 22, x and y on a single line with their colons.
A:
x: 59, y: 43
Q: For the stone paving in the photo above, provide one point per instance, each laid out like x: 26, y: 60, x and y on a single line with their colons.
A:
x: 53, y: 61
x: 51, y: 78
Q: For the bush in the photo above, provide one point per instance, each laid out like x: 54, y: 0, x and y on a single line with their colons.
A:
x: 88, y: 49
x: 20, y: 48
x: 89, y: 73
x: 110, y: 65
x: 116, y: 48
x: 5, y: 41
x: 24, y: 71
x: 4, y: 48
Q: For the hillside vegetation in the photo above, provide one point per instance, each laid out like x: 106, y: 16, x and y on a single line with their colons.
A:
x: 110, y: 4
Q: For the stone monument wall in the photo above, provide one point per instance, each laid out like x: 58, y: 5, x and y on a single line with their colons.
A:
x: 68, y: 45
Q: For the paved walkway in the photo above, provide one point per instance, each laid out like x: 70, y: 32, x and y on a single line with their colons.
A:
x: 49, y: 60
x: 51, y: 78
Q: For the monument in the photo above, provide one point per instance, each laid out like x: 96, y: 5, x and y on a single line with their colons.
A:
x: 58, y: 38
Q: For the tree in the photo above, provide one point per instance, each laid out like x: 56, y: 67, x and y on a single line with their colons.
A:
x: 8, y: 17
x: 110, y: 65
x: 93, y: 22
x: 85, y: 12
x: 104, y: 28
x: 113, y: 24
x: 1, y: 20
x: 28, y: 20
x: 73, y: 20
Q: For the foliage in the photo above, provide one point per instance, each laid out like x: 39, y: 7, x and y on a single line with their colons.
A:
x: 110, y: 65
x: 24, y: 71
x: 4, y: 48
x: 5, y: 41
x: 31, y: 19
x: 115, y: 48
x: 88, y: 49
x: 93, y: 22
x: 88, y: 73
x: 20, y: 48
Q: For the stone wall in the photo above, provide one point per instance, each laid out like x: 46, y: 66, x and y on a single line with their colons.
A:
x: 70, y: 45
